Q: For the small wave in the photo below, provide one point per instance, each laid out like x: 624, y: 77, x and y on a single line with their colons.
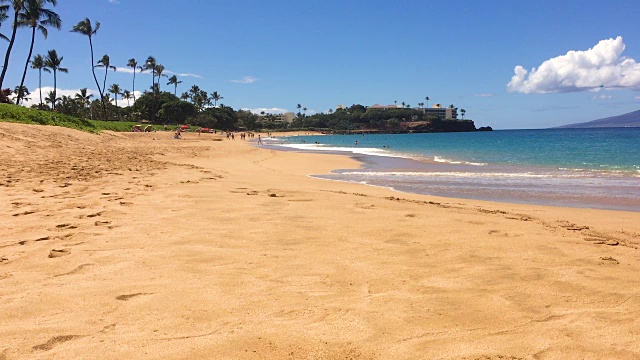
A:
x: 459, y: 174
x: 354, y: 150
x: 443, y: 160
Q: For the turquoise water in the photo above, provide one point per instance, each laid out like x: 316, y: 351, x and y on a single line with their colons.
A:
x: 597, y: 168
x: 593, y: 149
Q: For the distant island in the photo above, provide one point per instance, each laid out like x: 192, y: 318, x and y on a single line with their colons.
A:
x: 631, y: 119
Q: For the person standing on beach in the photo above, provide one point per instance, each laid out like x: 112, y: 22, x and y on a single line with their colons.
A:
x: 259, y: 139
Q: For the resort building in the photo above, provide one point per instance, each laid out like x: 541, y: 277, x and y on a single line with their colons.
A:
x: 278, y: 118
x: 436, y: 111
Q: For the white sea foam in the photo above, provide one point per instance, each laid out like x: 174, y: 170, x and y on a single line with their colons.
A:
x: 458, y: 174
x: 353, y: 150
x: 447, y: 161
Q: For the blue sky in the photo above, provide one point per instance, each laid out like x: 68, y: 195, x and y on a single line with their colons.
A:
x: 276, y: 54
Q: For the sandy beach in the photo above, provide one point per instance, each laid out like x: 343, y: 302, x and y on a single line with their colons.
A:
x: 127, y: 246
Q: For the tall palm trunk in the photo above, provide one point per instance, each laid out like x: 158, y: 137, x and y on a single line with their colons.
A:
x: 55, y: 87
x: 26, y: 65
x: 134, y: 85
x: 153, y: 90
x: 93, y: 70
x: 117, y: 108
x: 13, y: 39
x: 175, y: 89
x: 104, y: 83
x: 40, y: 86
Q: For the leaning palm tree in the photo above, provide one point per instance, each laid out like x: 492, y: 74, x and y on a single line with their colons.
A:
x: 174, y: 81
x: 84, y: 27
x: 18, y: 6
x: 115, y: 90
x: 38, y: 64
x: 216, y: 97
x: 37, y: 17
x: 106, y: 64
x: 134, y: 64
x: 52, y: 61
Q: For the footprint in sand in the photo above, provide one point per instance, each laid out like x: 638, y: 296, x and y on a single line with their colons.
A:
x: 65, y: 226
x: 54, y: 341
x: 610, y: 259
x: 127, y: 297
x: 602, y: 241
x: 4, y: 260
x: 24, y: 213
x: 55, y: 253
x: 102, y: 223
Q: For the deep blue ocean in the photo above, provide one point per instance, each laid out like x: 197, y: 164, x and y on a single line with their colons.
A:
x: 597, y: 168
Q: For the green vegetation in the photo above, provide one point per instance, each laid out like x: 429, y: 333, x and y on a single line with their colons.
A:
x: 22, y: 115
x: 195, y: 106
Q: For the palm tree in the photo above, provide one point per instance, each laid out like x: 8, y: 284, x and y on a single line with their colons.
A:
x: 106, y: 64
x: 463, y: 111
x: 84, y: 27
x: 159, y: 72
x: 38, y: 64
x: 216, y: 97
x: 84, y: 98
x: 115, y: 90
x: 3, y: 17
x: 134, y: 64
x: 21, y: 92
x: 403, y: 104
x: 174, y: 81
x: 52, y: 61
x: 150, y: 64
x: 427, y: 98
x: 185, y: 96
x: 305, y: 111
x: 17, y: 5
x: 126, y: 95
x: 38, y: 18
x: 52, y: 99
x: 299, y: 107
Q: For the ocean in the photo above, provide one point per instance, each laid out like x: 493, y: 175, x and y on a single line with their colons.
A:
x: 593, y: 168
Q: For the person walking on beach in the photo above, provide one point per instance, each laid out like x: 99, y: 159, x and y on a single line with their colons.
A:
x: 259, y: 139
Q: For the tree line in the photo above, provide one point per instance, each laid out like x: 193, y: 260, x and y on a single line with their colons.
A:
x: 161, y: 107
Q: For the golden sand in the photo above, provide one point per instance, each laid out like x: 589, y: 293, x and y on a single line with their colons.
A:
x: 126, y: 246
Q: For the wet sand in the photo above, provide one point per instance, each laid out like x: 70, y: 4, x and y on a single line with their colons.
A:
x: 139, y: 246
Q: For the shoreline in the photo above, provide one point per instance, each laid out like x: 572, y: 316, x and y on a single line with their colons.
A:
x: 545, y: 186
x: 140, y: 246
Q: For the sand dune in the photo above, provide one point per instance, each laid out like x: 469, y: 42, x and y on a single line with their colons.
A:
x: 139, y: 246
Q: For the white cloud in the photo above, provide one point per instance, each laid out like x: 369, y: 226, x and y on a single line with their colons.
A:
x: 185, y: 74
x: 602, y: 97
x: 245, y: 80
x: 267, y: 110
x: 580, y: 70
x: 129, y: 70
x: 34, y: 96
